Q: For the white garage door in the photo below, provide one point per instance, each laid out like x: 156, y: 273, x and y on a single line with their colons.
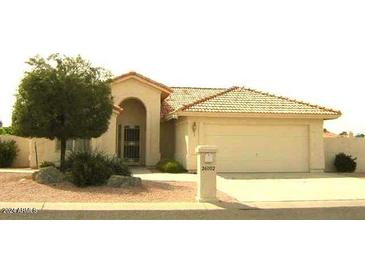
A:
x: 252, y: 148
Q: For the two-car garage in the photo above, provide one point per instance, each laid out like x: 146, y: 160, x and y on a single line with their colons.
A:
x: 254, y: 131
x: 259, y: 148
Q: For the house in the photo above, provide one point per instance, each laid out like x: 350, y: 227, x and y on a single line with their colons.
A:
x: 253, y: 131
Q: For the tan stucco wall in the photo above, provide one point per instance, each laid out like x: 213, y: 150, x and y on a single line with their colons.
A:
x: 186, y: 140
x: 22, y: 158
x: 353, y: 146
x: 46, y: 151
x: 182, y: 141
x: 167, y: 139
x: 316, y: 147
x: 151, y: 99
x: 107, y: 141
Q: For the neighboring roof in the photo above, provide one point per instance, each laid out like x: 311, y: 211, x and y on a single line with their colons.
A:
x: 132, y: 74
x: 330, y: 135
x: 236, y: 100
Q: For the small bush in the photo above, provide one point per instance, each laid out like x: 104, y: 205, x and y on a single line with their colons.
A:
x: 8, y: 153
x: 170, y: 166
x: 46, y: 164
x: 345, y: 163
x: 118, y: 167
x: 93, y: 168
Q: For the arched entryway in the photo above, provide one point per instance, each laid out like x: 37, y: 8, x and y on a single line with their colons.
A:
x: 131, y: 132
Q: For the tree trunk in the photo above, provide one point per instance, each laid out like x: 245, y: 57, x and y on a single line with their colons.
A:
x: 63, y: 153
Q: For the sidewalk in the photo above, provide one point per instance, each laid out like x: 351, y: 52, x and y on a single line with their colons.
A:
x: 17, y: 170
x: 107, y: 206
x: 122, y: 206
x: 183, y: 205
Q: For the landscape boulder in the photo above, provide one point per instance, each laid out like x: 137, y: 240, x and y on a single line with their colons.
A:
x: 123, y: 181
x: 48, y: 175
x: 34, y: 175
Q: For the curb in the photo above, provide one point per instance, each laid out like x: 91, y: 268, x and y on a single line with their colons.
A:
x: 118, y: 206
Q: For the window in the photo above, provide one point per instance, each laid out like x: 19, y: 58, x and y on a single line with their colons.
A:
x: 75, y: 145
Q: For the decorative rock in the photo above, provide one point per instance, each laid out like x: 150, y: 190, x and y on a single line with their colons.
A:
x: 48, y: 175
x: 123, y: 181
x: 34, y: 175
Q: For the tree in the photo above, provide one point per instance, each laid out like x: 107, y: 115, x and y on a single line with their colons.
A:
x: 6, y: 130
x: 62, y: 97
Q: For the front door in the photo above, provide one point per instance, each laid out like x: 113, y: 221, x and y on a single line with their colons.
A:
x: 131, y: 144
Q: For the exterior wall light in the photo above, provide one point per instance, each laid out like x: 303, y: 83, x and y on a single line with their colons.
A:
x: 194, y: 127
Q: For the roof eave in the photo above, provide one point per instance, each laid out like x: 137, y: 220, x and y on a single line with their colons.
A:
x: 333, y: 116
x: 256, y: 115
x: 170, y: 116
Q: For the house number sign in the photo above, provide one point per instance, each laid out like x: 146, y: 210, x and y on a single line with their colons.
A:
x: 208, y: 168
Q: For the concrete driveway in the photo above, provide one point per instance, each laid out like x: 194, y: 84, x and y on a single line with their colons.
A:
x: 274, y: 187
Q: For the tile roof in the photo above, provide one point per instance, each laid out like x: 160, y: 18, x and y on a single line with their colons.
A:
x: 236, y: 100
x: 183, y: 96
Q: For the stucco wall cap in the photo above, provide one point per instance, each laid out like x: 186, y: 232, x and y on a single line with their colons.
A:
x: 205, y: 148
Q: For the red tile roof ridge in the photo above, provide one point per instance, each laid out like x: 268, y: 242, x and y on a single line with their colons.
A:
x: 293, y: 100
x: 197, y: 88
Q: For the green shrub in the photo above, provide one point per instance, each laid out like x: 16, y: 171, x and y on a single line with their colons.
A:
x: 170, y: 166
x: 88, y: 168
x: 6, y: 130
x: 345, y: 163
x: 118, y: 167
x: 8, y: 152
x: 93, y: 168
x: 46, y: 164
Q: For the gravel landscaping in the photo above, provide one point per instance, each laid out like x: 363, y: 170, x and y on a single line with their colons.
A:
x: 19, y: 187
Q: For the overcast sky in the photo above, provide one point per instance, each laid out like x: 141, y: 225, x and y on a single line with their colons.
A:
x: 309, y: 50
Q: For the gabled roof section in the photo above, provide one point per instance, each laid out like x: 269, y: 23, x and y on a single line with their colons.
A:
x: 184, y: 96
x: 134, y: 75
x: 237, y: 100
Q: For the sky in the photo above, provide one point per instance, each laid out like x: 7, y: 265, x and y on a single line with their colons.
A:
x: 308, y: 50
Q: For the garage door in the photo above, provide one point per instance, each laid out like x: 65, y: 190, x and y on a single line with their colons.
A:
x: 252, y: 148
